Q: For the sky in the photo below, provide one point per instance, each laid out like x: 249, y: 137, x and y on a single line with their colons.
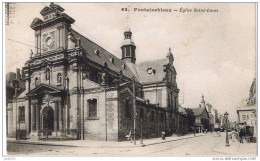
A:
x: 214, y: 52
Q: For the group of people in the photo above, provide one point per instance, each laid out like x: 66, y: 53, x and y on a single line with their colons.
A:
x: 130, y: 136
x: 241, y: 134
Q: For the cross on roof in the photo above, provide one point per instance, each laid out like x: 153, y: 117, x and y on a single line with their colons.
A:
x: 127, y: 19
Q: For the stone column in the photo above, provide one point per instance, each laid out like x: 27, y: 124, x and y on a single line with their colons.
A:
x: 65, y: 113
x: 55, y: 118
x: 10, y: 121
x: 60, y: 116
x: 33, y: 118
x: 37, y: 118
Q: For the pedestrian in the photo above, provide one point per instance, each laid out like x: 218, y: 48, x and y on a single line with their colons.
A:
x: 241, y: 136
x: 233, y: 134
x: 244, y: 135
x: 219, y: 133
x: 129, y: 136
x: 163, y: 135
x: 194, y: 131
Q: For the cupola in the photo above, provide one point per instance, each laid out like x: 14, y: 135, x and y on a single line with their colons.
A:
x: 128, y: 47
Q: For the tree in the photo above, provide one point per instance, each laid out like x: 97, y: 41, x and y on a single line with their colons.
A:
x: 191, y: 118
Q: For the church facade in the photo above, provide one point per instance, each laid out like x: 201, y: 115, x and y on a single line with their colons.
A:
x: 75, y: 89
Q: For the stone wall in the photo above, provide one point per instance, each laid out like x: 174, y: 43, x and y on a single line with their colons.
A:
x: 105, y: 125
x: 149, y: 127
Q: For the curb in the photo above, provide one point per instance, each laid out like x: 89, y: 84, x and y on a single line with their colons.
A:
x: 38, y: 143
x: 172, y: 140
x: 140, y: 145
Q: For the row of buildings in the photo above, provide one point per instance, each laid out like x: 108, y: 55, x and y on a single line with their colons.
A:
x: 73, y: 88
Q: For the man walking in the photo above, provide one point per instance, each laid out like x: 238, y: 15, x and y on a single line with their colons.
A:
x: 241, y: 133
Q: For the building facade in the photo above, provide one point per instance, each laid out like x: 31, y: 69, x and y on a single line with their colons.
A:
x: 201, y: 117
x: 76, y: 89
x: 211, y: 117
x: 247, y: 112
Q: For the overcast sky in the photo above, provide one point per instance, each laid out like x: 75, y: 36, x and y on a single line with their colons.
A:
x: 214, y: 52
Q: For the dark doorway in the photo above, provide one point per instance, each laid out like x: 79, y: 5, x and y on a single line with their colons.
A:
x: 48, y: 120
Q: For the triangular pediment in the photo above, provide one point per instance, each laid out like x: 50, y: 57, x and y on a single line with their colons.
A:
x: 44, y: 88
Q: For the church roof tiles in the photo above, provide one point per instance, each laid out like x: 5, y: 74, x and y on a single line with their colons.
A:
x: 103, y: 57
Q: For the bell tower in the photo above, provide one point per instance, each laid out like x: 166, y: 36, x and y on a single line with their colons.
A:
x: 51, y: 31
x: 128, y: 47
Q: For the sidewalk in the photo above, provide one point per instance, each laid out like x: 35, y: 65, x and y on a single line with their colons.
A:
x: 236, y: 148
x: 106, y: 144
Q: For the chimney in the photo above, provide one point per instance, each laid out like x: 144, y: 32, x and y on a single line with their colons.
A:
x: 18, y: 74
x: 23, y: 74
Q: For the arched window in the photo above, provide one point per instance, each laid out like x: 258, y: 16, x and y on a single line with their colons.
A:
x: 59, y: 78
x: 21, y: 113
x: 47, y: 73
x: 36, y: 81
x: 92, y: 108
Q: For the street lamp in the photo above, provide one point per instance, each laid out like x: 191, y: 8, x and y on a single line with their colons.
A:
x: 226, y: 117
x: 141, y: 141
x: 134, y: 107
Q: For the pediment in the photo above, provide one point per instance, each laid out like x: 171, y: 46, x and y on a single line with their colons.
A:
x: 52, y: 7
x: 36, y: 22
x: 45, y: 10
x: 43, y: 89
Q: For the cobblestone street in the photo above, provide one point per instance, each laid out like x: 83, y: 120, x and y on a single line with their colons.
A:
x: 206, y: 145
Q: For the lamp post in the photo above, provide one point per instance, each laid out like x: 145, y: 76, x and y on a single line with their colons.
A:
x: 134, y: 106
x: 226, y: 117
x: 141, y: 141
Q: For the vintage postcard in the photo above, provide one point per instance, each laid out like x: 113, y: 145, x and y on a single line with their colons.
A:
x: 130, y: 79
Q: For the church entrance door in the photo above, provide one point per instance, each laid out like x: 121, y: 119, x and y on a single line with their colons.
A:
x: 48, y: 120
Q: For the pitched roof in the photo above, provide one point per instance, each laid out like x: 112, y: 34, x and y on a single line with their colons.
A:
x: 156, y: 65
x: 197, y: 111
x: 103, y: 57
x: 139, y: 71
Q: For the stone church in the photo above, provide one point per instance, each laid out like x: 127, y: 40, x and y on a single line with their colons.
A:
x: 76, y: 89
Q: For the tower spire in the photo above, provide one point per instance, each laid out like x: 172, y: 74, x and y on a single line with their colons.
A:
x: 202, y: 101
x: 202, y: 96
x: 127, y: 19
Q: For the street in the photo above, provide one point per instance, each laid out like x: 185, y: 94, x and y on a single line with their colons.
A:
x: 207, y: 145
